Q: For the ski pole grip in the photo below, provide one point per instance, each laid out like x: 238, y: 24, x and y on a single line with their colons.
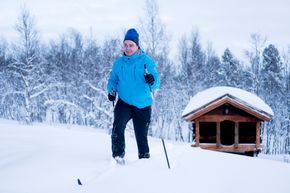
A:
x: 145, y: 69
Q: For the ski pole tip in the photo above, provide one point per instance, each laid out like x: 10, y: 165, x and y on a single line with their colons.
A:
x: 79, y: 182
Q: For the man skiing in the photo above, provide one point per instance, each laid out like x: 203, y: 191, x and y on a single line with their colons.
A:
x: 133, y: 78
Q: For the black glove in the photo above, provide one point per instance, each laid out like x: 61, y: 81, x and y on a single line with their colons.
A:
x: 149, y: 78
x: 112, y: 96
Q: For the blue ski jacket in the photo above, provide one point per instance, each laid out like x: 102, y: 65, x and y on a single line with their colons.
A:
x: 127, y: 79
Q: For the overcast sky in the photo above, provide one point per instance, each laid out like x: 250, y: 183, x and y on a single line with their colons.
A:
x: 225, y: 23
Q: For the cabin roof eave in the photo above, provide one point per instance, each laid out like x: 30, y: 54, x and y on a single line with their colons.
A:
x: 227, y: 98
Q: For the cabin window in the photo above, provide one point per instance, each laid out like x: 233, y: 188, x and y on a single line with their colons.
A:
x: 227, y: 132
x: 247, y: 132
x: 207, y: 132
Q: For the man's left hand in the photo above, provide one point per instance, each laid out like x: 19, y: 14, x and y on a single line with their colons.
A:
x: 149, y: 78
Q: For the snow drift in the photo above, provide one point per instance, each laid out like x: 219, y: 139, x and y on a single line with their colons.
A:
x: 42, y: 158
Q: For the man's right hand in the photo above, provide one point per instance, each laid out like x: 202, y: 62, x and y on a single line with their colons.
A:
x: 112, y: 96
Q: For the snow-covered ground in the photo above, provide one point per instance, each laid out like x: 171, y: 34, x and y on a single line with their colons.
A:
x: 49, y: 159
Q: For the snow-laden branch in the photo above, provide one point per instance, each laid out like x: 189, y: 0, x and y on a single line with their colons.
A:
x: 39, y: 86
x: 17, y: 66
x: 109, y: 114
x: 60, y: 102
x: 46, y: 89
x: 87, y: 97
x: 101, y: 91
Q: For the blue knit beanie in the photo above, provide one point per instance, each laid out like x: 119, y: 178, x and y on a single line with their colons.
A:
x: 132, y: 35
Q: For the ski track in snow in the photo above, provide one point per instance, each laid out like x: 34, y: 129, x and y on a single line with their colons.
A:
x: 130, y: 160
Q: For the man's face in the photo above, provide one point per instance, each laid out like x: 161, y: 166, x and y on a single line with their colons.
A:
x: 130, y: 47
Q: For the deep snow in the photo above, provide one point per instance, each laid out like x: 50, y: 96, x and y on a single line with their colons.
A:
x: 50, y: 158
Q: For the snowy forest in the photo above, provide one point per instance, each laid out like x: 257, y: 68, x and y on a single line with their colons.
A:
x: 64, y: 80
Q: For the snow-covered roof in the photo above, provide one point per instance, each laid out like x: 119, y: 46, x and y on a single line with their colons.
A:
x: 202, y: 99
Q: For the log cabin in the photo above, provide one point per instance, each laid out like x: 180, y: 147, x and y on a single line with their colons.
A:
x: 227, y: 119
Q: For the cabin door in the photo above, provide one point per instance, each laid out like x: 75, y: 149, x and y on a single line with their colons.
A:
x: 227, y: 132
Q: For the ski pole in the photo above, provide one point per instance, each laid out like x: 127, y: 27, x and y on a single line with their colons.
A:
x: 145, y: 73
x: 114, y: 94
x: 165, y: 153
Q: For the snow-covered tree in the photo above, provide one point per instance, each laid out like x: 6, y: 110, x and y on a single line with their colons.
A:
x: 230, y: 69
x: 80, y: 68
x: 4, y: 79
x: 192, y: 63
x: 211, y: 70
x: 286, y: 117
x: 26, y: 67
x: 254, y: 54
x: 155, y: 42
x: 272, y: 91
x: 101, y: 61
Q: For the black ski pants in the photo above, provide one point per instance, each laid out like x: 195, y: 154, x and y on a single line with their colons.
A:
x: 141, y: 119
